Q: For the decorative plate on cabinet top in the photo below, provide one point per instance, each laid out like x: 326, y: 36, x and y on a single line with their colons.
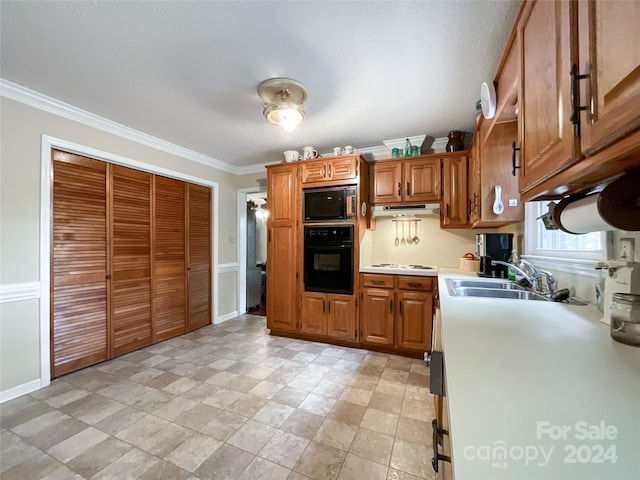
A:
x: 488, y: 99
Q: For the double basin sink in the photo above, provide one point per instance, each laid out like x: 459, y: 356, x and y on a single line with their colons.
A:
x: 494, y: 288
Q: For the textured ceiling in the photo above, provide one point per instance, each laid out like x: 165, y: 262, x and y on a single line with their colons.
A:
x: 187, y: 72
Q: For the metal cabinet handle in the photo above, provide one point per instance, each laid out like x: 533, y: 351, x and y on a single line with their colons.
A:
x: 408, y: 188
x: 391, y: 306
x: 576, y: 108
x: 513, y: 159
x: 377, y: 282
x: 329, y: 306
x: 415, y: 285
x: 329, y: 170
x: 322, y: 306
x: 400, y: 307
x: 436, y: 455
x: 324, y: 170
x: 399, y: 189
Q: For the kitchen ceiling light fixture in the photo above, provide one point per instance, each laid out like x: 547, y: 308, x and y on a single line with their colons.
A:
x: 283, y: 99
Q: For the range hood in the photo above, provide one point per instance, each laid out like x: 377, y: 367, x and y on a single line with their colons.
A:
x: 405, y: 210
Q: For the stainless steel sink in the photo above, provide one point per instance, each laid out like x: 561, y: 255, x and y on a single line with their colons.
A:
x: 504, y: 284
x: 497, y: 293
x: 496, y: 288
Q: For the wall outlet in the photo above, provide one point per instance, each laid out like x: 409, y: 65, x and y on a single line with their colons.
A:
x: 513, y: 202
x: 627, y: 248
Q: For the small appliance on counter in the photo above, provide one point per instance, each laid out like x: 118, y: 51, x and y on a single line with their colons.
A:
x: 493, y: 246
x: 622, y: 300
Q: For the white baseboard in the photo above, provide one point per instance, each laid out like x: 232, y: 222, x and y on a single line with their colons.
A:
x: 226, y: 316
x: 23, y: 389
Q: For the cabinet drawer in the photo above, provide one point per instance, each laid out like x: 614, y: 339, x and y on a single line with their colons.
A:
x: 378, y: 281
x: 413, y: 282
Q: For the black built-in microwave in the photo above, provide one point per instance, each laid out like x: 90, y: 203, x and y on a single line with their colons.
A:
x: 329, y: 204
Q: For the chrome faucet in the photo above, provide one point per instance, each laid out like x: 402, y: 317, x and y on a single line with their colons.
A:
x: 532, y: 279
x: 541, y: 281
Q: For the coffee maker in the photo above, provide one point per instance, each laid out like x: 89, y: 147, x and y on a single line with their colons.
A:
x: 493, y: 246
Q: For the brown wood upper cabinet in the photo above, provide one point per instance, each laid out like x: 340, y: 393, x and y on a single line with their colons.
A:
x: 414, y: 180
x: 579, y: 94
x: 490, y: 165
x: 330, y: 169
x: 454, y: 211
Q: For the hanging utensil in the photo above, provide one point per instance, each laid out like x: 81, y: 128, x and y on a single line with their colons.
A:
x: 402, y: 239
x: 416, y: 240
x: 409, y: 237
x: 397, y: 240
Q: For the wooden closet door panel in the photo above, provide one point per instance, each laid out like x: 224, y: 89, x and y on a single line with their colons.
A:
x: 79, y: 263
x: 131, y: 259
x: 169, y: 258
x: 199, y: 266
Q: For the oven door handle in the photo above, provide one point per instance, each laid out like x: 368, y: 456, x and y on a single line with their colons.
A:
x: 329, y: 247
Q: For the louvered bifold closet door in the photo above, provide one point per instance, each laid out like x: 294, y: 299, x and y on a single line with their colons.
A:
x: 79, y: 263
x: 131, y: 259
x: 199, y: 253
x: 170, y: 257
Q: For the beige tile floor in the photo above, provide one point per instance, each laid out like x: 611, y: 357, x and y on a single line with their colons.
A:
x: 227, y: 402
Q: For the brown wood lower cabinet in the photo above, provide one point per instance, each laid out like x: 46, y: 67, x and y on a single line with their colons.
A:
x: 397, y: 311
x: 131, y: 260
x: 329, y: 314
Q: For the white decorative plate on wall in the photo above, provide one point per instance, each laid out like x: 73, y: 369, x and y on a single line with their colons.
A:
x: 488, y: 99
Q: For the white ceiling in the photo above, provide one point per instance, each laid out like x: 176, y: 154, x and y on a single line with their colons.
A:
x: 187, y: 72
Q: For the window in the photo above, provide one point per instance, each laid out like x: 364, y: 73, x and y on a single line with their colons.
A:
x: 556, y: 243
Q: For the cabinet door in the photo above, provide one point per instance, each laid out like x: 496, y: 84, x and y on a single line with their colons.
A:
x: 281, y: 187
x: 281, y: 278
x: 548, y: 141
x: 199, y: 257
x: 170, y: 258
x: 131, y: 259
x: 341, y: 317
x: 79, y: 263
x: 415, y: 312
x: 474, y: 178
x: 609, y: 38
x: 341, y: 169
x: 387, y: 182
x: 422, y: 180
x: 314, y: 313
x: 454, y: 198
x: 376, y: 316
x: 314, y: 171
x: 496, y: 170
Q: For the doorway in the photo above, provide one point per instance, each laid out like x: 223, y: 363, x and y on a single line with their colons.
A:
x: 252, y: 241
x: 257, y: 253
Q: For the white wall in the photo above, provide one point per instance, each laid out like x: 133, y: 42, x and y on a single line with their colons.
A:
x: 20, y: 165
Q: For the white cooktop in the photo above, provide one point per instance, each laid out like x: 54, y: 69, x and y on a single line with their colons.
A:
x: 398, y: 269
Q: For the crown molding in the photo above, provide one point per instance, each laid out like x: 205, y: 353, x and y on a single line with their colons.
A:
x: 43, y: 102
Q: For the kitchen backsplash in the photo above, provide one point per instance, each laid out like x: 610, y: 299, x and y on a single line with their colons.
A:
x: 439, y: 247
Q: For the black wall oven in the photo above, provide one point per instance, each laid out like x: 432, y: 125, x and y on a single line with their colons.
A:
x: 328, y: 259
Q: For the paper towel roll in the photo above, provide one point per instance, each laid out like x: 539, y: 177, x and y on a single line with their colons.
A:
x: 580, y: 216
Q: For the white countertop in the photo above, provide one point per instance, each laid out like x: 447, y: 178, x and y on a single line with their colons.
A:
x: 516, y: 368
x: 400, y: 270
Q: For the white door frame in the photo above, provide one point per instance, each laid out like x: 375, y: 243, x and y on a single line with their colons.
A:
x: 242, y: 245
x: 46, y: 207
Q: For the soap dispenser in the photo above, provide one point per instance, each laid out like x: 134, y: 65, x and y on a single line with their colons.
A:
x: 514, y: 259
